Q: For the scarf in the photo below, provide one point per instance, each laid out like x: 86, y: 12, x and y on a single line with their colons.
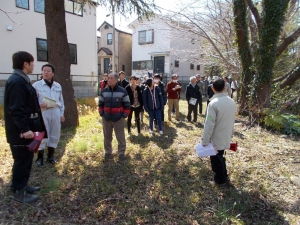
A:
x: 193, y: 85
x: 21, y: 74
x: 153, y: 98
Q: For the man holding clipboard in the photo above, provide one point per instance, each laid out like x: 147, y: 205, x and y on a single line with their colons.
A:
x: 218, y: 129
x: 193, y: 96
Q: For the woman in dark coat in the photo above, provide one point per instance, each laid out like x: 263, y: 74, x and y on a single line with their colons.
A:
x: 153, y: 103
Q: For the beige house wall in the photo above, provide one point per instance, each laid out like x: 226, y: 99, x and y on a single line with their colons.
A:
x: 123, y: 50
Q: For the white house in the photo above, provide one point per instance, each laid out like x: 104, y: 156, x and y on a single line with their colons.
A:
x: 22, y: 28
x: 163, y: 46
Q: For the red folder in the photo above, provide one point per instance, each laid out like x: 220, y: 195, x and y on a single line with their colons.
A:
x: 35, y: 143
x: 233, y: 146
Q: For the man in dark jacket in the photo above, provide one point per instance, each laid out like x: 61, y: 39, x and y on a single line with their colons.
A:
x: 23, y: 116
x: 114, y: 106
x: 193, y: 96
x: 122, y: 80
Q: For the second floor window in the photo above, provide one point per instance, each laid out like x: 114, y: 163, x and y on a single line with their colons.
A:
x: 109, y: 38
x: 191, y: 66
x: 198, y: 67
x: 24, y: 4
x: 176, y: 63
x: 73, y: 7
x: 146, y: 37
x: 39, y: 6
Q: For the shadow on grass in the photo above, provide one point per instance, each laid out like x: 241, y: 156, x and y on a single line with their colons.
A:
x: 157, y: 188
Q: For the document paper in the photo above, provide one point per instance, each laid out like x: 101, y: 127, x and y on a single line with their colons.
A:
x: 208, y: 150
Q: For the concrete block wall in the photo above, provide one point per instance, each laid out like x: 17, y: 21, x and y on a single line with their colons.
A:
x: 85, y: 91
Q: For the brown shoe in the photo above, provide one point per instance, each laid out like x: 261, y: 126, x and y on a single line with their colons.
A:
x: 108, y: 157
x: 122, y: 157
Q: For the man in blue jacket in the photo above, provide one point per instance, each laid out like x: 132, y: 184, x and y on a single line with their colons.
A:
x: 114, y: 106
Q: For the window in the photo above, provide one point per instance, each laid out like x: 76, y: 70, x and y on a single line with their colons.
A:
x: 176, y: 64
x: 73, y: 53
x: 198, y: 67
x: 146, y: 37
x: 73, y: 7
x: 39, y: 6
x: 191, y: 66
x: 123, y: 68
x: 24, y: 4
x: 42, y: 51
x: 109, y: 38
x: 106, y: 27
x: 135, y: 65
x: 142, y: 65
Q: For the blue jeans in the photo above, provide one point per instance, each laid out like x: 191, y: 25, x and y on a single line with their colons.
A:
x: 157, y: 113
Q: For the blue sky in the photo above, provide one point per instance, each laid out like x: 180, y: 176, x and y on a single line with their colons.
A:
x: 121, y: 22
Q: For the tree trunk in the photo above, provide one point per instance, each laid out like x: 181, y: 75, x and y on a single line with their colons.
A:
x: 59, y: 56
x: 266, y: 55
x: 241, y: 27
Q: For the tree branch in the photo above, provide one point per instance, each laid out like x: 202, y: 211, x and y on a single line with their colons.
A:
x: 254, y: 12
x: 290, y: 39
x: 6, y: 13
x: 289, y: 78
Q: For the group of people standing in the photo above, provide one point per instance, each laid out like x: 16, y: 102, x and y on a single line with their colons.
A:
x: 27, y: 110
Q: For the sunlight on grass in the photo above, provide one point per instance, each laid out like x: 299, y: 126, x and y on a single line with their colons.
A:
x: 80, y: 146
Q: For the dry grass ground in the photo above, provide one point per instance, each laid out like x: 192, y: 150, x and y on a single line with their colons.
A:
x: 162, y: 182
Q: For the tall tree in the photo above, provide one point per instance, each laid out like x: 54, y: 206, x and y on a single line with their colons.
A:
x: 58, y: 48
x: 59, y: 55
x: 258, y: 62
x: 241, y: 27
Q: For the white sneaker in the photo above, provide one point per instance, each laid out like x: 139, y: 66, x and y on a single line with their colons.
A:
x: 161, y: 132
x: 151, y: 131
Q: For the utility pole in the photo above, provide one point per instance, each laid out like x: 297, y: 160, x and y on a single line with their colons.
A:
x: 113, y: 38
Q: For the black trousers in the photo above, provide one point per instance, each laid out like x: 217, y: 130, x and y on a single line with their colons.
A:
x: 218, y: 165
x: 137, y: 118
x: 21, y: 167
x: 192, y: 109
x: 200, y: 105
x: 232, y: 91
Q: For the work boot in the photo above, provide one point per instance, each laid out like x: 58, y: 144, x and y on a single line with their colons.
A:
x: 51, y: 158
x: 30, y: 189
x: 40, y: 158
x: 22, y: 196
